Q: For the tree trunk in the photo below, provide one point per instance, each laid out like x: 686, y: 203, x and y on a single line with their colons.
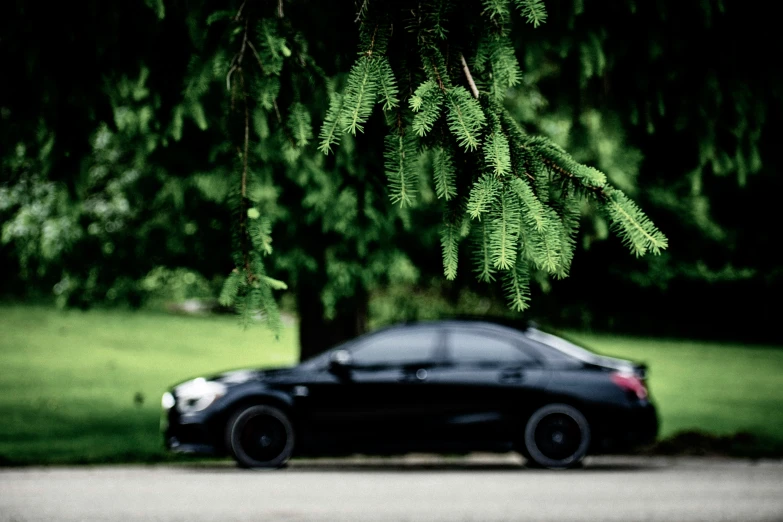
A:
x: 317, y: 334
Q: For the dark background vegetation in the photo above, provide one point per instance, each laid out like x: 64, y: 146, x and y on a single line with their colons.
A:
x: 107, y: 161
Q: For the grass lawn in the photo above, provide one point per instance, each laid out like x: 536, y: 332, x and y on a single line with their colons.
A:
x: 69, y: 380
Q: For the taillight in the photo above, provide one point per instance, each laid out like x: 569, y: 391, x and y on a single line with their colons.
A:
x: 631, y: 383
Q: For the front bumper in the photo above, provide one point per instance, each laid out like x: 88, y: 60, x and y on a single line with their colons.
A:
x: 190, y: 434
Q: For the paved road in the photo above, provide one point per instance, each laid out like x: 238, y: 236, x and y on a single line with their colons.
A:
x: 480, y: 489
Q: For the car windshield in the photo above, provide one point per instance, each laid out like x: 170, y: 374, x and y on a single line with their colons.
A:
x: 560, y: 344
x: 321, y: 360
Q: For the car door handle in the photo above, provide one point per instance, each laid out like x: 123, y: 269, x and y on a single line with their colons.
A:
x: 419, y: 375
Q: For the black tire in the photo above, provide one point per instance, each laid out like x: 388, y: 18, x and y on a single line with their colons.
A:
x: 260, y: 437
x: 557, y: 436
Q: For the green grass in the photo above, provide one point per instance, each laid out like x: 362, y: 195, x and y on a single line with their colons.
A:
x: 68, y: 379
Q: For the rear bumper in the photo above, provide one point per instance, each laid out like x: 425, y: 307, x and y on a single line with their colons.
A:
x: 627, y: 428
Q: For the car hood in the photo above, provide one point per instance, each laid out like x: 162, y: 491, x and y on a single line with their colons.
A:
x: 250, y: 374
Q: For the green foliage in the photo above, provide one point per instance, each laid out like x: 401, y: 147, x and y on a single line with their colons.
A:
x: 444, y: 173
x: 273, y: 49
x: 568, y: 230
x: 401, y: 157
x: 482, y: 253
x: 505, y: 230
x: 516, y: 283
x: 482, y: 195
x: 533, y: 212
x: 496, y: 61
x: 496, y: 153
x: 636, y: 230
x: 331, y: 130
x: 427, y: 103
x: 299, y: 124
x: 465, y: 118
x: 387, y: 84
x: 236, y: 138
x: 523, y: 189
x: 176, y: 284
x: 533, y: 10
x: 497, y: 10
x: 449, y: 240
x: 359, y: 96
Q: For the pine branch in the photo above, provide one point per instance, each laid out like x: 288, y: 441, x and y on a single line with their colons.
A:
x: 360, y: 12
x: 387, y: 83
x: 331, y: 130
x: 533, y: 212
x: 634, y: 228
x: 497, y: 11
x: 272, y: 48
x: 400, y: 156
x: 503, y: 241
x: 427, y: 103
x: 571, y: 216
x: 444, y: 174
x: 482, y: 195
x: 533, y: 10
x: 465, y: 118
x: 243, y: 183
x: 482, y: 259
x: 497, y: 56
x: 230, y: 289
x: 359, y: 96
x: 299, y: 124
x: 517, y: 286
x: 497, y: 154
x: 449, y: 241
x: 550, y: 241
x: 260, y: 232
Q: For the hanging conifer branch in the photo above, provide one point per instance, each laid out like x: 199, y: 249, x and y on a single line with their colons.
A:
x: 248, y: 288
x: 523, y: 194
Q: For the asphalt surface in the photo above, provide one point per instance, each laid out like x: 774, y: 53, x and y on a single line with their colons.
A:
x: 416, y: 488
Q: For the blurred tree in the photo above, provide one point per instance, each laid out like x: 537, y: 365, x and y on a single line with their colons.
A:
x: 440, y: 80
x: 674, y: 81
x: 213, y: 117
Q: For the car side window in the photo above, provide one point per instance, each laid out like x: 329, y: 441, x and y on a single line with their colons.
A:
x: 397, y: 348
x: 486, y: 350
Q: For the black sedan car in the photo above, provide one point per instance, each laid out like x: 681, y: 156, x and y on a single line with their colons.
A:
x: 443, y: 387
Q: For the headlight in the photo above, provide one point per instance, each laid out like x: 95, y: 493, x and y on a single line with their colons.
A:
x: 198, y: 394
x: 167, y: 401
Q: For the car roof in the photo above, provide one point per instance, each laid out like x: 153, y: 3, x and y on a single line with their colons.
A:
x: 456, y: 323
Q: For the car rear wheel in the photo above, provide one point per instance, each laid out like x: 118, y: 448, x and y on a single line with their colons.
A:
x: 260, y: 437
x: 557, y: 436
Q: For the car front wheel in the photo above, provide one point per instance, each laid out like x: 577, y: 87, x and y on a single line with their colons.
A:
x: 557, y: 436
x: 260, y: 437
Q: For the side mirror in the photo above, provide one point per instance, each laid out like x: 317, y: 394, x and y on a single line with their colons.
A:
x: 340, y: 362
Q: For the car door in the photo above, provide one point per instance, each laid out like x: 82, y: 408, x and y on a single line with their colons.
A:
x: 381, y: 403
x: 485, y: 383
